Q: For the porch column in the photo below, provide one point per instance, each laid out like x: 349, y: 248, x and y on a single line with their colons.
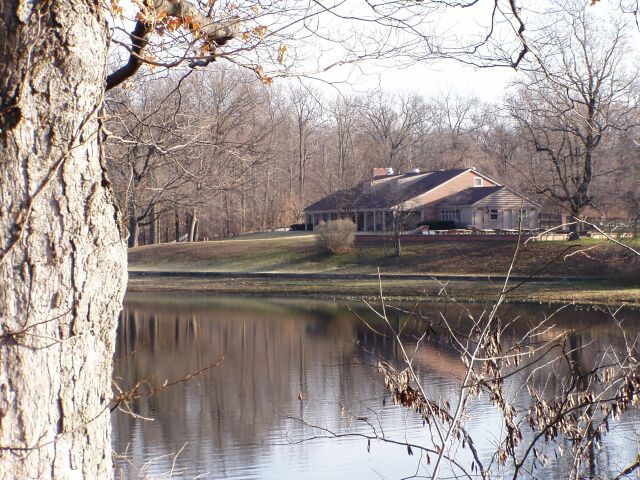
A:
x: 364, y: 221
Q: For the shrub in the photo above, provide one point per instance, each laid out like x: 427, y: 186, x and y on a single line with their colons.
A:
x: 337, y: 236
x: 439, y: 224
x: 297, y: 227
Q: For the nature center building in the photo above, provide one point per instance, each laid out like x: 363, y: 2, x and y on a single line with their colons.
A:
x: 464, y: 196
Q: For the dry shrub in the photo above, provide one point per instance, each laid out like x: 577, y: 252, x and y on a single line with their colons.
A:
x: 337, y: 236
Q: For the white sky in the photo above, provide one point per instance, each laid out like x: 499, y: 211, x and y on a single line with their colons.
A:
x: 487, y: 84
x: 431, y: 78
x: 425, y: 78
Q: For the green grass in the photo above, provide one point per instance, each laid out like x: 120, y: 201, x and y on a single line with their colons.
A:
x: 299, y: 252
x: 613, y: 274
x: 588, y: 293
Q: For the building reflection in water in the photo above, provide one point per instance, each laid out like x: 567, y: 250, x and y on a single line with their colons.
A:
x: 233, y: 421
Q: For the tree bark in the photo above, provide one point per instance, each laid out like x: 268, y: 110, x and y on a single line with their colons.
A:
x: 153, y: 227
x: 133, y: 228
x: 574, y: 228
x: 176, y: 224
x: 192, y: 228
x: 62, y: 257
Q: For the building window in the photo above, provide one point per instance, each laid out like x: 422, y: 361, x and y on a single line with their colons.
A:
x: 522, y: 215
x: 494, y: 214
x: 453, y: 215
x: 477, y: 182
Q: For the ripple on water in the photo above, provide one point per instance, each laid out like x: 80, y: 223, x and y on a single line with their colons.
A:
x: 244, y: 419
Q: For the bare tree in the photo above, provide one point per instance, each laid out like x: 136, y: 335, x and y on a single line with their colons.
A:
x: 345, y: 118
x: 569, y: 103
x: 305, y: 110
x: 457, y: 120
x: 389, y: 124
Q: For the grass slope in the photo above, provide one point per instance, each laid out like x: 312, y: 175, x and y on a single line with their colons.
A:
x: 287, y: 252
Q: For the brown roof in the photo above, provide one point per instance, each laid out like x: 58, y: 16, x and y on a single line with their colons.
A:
x: 469, y: 196
x: 357, y: 199
x: 472, y: 195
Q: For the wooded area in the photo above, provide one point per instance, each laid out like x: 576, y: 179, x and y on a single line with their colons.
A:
x: 237, y: 177
x: 219, y: 153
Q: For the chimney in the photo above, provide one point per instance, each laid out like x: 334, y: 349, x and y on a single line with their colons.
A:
x: 379, y: 172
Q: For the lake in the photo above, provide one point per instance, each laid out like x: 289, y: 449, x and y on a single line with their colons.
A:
x: 291, y: 364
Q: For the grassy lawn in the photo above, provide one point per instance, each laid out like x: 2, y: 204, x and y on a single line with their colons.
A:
x: 589, y: 293
x: 300, y: 253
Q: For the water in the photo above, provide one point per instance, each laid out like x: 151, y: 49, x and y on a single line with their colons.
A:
x: 244, y: 419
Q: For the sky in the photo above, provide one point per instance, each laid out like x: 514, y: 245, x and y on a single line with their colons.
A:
x: 428, y: 78
x: 433, y: 78
x: 487, y: 84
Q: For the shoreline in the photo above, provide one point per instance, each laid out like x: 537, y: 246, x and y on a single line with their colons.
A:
x: 461, y: 288
x: 470, y: 277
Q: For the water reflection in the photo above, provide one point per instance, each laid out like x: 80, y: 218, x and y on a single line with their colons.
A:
x: 233, y: 421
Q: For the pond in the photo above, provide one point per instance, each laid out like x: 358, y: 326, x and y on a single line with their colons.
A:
x: 292, y: 364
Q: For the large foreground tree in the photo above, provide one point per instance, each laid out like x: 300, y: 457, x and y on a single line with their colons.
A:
x: 62, y: 262
x: 62, y: 253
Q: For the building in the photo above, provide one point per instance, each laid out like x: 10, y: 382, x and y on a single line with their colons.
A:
x: 464, y: 196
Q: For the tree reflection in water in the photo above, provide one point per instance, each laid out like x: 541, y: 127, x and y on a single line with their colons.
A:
x: 235, y: 418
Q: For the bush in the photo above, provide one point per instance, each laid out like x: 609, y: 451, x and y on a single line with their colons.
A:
x: 439, y: 224
x: 297, y: 227
x: 337, y: 236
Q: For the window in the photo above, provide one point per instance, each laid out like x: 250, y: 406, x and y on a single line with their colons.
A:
x: 477, y: 182
x: 522, y: 215
x: 494, y: 214
x: 453, y: 215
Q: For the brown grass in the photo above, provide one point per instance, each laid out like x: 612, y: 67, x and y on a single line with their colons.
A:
x: 301, y: 253
x: 587, y: 293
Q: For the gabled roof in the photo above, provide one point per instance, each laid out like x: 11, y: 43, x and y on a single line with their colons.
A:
x: 473, y: 195
x: 357, y: 198
x: 469, y: 196
x: 430, y: 181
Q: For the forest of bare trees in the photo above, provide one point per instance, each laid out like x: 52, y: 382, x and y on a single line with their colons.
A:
x: 240, y: 156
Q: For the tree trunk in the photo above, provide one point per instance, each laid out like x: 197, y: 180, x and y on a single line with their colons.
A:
x: 192, y: 228
x: 176, y: 218
x: 133, y: 229
x: 574, y: 228
x: 153, y: 227
x: 396, y: 237
x: 166, y: 232
x: 62, y: 257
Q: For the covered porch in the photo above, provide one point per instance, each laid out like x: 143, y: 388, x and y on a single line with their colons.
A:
x: 367, y: 220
